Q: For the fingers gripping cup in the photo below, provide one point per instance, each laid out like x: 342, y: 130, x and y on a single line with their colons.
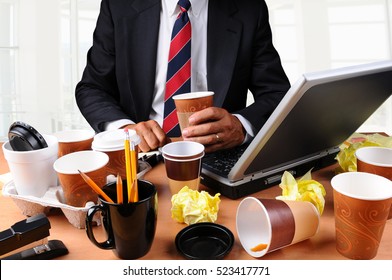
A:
x: 361, y: 205
x: 183, y: 164
x: 130, y: 227
x: 266, y: 225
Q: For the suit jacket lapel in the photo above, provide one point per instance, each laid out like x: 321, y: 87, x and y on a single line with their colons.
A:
x: 223, y: 37
x: 141, y: 30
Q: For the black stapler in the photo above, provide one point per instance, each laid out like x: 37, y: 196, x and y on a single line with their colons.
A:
x: 26, y: 232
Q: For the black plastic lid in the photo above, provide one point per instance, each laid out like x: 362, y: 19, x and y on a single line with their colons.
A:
x: 204, y: 241
x: 23, y: 137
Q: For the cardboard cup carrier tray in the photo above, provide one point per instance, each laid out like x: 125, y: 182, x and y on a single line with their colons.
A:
x: 54, y: 198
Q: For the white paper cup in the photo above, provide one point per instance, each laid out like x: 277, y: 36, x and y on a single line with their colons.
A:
x: 32, y: 171
x: 274, y: 224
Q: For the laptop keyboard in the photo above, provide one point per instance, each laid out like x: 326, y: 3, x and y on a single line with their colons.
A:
x: 221, y: 162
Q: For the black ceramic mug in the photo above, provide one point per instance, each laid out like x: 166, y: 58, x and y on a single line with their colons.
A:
x: 130, y: 227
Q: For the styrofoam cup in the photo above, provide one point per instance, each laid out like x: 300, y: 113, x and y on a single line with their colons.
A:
x: 32, y: 171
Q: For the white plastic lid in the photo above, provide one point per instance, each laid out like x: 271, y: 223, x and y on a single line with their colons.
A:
x: 113, y: 140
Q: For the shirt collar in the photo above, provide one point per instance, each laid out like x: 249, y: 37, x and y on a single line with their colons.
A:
x: 196, y: 6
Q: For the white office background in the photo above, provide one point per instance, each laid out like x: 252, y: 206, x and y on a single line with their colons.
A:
x: 43, y: 46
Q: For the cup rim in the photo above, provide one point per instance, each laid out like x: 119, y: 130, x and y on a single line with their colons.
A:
x: 268, y: 232
x: 359, y: 154
x: 154, y: 192
x: 183, y: 159
x: 346, y: 189
x: 81, y: 167
x: 193, y: 95
x: 69, y: 136
x: 50, y: 139
x: 33, y: 155
x: 199, y: 151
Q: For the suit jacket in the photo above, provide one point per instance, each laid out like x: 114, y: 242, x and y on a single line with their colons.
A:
x: 118, y: 81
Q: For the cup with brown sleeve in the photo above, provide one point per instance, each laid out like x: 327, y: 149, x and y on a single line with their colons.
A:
x: 266, y: 225
x: 183, y: 164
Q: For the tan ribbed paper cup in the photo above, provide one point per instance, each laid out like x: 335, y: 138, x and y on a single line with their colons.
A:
x: 361, y: 205
x: 266, y: 225
x: 76, y: 191
x: 375, y: 160
x: 74, y: 140
x: 189, y: 103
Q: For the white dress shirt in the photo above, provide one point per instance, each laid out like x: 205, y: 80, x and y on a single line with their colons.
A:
x: 198, y: 16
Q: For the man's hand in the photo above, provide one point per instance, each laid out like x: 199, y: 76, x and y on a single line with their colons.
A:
x: 215, y: 128
x: 151, y: 135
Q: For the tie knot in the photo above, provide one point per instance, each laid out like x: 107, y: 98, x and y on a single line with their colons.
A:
x: 184, y: 4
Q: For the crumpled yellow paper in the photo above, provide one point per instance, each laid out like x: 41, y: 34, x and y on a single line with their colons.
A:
x: 305, y: 189
x: 346, y: 156
x: 191, y: 206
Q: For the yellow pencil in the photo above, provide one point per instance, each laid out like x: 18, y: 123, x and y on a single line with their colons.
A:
x: 94, y: 186
x: 119, y: 186
x: 134, y: 173
x: 127, y: 151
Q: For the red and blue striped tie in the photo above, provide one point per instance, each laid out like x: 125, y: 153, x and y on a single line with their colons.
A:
x: 179, y: 68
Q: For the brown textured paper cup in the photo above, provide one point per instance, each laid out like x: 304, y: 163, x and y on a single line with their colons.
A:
x: 274, y: 223
x: 74, y: 140
x: 376, y: 160
x: 361, y: 205
x: 189, y: 103
x: 76, y: 191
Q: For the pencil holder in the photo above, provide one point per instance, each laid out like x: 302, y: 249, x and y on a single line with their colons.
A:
x: 130, y: 227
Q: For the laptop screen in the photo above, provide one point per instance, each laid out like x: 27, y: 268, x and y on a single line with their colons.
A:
x: 317, y: 114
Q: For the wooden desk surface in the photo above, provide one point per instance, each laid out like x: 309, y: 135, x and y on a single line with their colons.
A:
x: 319, y: 247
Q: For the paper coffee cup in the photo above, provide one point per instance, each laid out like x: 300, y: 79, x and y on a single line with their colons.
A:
x: 74, y: 140
x: 76, y: 191
x: 362, y: 203
x: 112, y: 143
x: 189, y: 103
x: 183, y: 164
x: 266, y: 225
x: 32, y: 171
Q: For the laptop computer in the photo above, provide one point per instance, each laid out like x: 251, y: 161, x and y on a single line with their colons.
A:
x: 318, y: 113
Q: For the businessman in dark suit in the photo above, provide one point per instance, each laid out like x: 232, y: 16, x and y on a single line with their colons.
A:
x: 232, y: 53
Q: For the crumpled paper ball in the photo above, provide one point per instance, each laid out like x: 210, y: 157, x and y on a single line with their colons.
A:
x: 346, y: 156
x: 191, y: 206
x: 305, y: 189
